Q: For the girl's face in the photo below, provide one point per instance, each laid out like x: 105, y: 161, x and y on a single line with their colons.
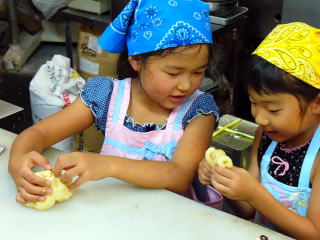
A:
x: 170, y: 80
x: 281, y: 117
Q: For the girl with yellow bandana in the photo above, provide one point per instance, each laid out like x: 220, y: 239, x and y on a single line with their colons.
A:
x: 281, y: 189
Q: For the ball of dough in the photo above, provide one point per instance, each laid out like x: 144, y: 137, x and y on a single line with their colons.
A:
x: 218, y: 157
x: 60, y: 192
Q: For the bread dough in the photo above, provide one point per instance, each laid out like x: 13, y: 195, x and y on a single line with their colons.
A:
x: 218, y: 157
x: 60, y: 192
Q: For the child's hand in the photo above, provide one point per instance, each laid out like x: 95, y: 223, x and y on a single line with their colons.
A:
x: 204, y: 172
x: 30, y: 187
x: 234, y: 183
x: 87, y: 166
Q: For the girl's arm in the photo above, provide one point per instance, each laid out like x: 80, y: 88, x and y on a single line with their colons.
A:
x: 304, y: 228
x: 243, y: 186
x: 243, y: 208
x: 26, y: 148
x: 175, y: 175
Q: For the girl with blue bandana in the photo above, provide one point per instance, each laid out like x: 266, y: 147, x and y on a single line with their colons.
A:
x: 156, y: 114
x: 281, y: 189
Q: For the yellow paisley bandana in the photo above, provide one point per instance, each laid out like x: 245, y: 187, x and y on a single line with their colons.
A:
x: 295, y: 48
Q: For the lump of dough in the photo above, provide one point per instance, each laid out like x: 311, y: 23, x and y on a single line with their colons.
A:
x: 60, y: 192
x: 219, y: 157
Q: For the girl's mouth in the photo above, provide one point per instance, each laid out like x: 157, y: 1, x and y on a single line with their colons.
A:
x: 177, y: 98
x: 270, y: 133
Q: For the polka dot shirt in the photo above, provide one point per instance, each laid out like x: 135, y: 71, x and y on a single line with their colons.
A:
x: 96, y: 94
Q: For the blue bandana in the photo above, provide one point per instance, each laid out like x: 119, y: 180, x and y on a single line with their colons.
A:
x: 149, y: 25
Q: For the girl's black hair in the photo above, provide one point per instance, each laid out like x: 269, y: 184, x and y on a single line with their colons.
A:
x: 125, y: 70
x: 265, y: 78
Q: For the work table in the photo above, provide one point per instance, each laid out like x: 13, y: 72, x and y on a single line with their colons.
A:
x: 112, y: 209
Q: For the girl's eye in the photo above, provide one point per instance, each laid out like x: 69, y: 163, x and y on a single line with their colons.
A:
x: 198, y: 73
x: 274, y: 111
x: 171, y: 74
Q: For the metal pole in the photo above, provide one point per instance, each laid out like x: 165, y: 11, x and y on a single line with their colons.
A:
x: 69, y: 45
x: 13, y: 21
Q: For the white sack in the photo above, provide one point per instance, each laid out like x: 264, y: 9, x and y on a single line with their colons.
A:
x: 52, y: 80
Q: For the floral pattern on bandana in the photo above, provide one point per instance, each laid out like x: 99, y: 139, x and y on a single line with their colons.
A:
x: 121, y: 23
x: 172, y: 3
x: 295, y: 48
x: 148, y: 25
x: 181, y: 34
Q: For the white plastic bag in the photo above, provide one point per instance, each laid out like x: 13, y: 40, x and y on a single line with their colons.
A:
x: 53, y: 87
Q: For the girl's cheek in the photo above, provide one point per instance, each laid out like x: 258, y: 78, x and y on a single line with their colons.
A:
x: 253, y: 111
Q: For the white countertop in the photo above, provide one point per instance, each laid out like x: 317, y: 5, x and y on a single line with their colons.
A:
x: 111, y: 209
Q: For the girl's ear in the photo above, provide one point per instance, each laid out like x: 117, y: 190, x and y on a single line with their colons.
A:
x: 316, y: 104
x: 135, y: 63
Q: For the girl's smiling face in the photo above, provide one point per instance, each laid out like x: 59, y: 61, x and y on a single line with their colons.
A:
x: 168, y: 81
x: 282, y: 118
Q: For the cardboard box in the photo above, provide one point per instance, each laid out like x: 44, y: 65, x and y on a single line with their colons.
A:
x: 89, y: 140
x: 92, y: 60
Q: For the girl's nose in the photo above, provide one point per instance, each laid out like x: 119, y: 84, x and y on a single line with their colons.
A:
x: 261, y: 119
x: 184, y: 84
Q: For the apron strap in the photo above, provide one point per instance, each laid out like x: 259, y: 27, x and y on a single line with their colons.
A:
x: 177, y: 115
x: 266, y: 158
x: 119, y: 101
x: 309, y: 159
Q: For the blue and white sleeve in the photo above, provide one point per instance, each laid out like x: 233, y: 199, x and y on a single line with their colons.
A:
x: 204, y: 104
x: 96, y: 94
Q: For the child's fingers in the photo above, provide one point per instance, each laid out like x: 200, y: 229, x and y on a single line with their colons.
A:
x: 69, y: 174
x: 221, y: 175
x: 33, y: 179
x: 40, y: 160
x: 27, y: 197
x: 63, y: 162
x: 219, y: 186
x: 78, y: 182
x: 239, y: 170
x: 204, y: 167
x: 204, y: 172
x: 34, y: 189
x: 204, y: 180
x: 205, y: 164
x: 20, y: 199
x: 204, y: 175
x: 227, y: 172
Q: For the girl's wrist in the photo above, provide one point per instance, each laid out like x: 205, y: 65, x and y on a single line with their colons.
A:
x: 110, y: 166
x: 14, y: 164
x: 259, y: 197
x: 258, y: 193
